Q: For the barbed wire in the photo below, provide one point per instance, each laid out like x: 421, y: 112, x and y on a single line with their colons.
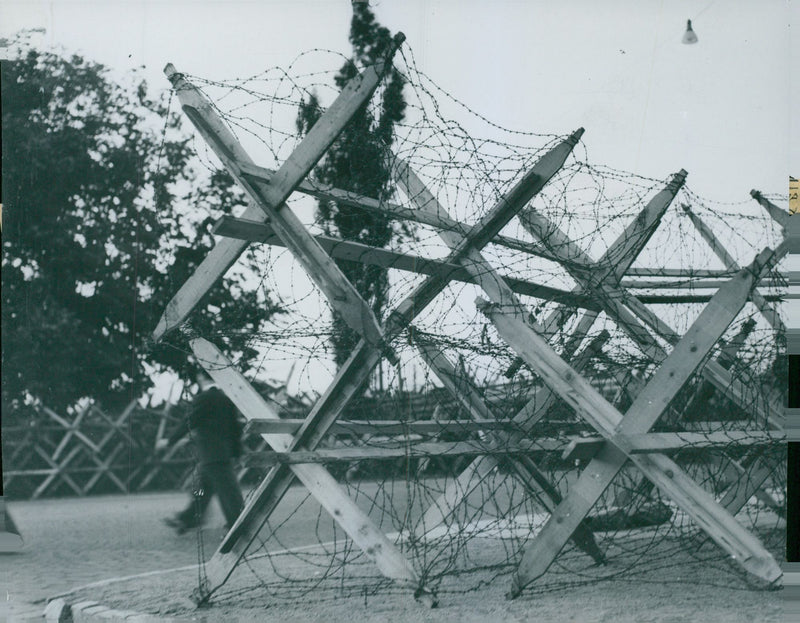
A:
x: 468, y: 163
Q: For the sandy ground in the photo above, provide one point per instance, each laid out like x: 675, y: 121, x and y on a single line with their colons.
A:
x: 680, y: 590
x: 73, y: 542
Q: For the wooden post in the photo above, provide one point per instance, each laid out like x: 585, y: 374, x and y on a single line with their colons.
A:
x: 770, y: 313
x: 316, y: 479
x: 666, y: 382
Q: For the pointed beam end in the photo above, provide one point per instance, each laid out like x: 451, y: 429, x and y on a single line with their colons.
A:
x: 576, y: 136
x: 159, y: 331
x: 767, y: 259
x: 677, y: 181
x: 482, y: 304
x: 599, y: 340
x: 170, y: 71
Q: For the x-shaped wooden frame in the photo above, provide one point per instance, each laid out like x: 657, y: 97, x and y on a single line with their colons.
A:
x: 687, y: 355
x: 267, y: 202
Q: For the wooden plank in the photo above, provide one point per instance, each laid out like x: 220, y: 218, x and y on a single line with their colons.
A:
x: 686, y: 299
x: 769, y: 313
x: 385, y: 427
x: 76, y: 450
x: 646, y: 443
x: 634, y: 386
x: 540, y: 401
x: 104, y: 468
x: 465, y: 247
x: 689, y: 284
x: 779, y: 216
x: 254, y: 231
x: 679, y: 273
x: 393, y: 210
x: 326, y: 192
x: 570, y: 253
x: 666, y: 382
x: 73, y: 429
x: 316, y: 479
x: 400, y: 450
x: 620, y: 255
x: 62, y: 475
x: 270, y: 199
x: 75, y: 426
x: 322, y: 270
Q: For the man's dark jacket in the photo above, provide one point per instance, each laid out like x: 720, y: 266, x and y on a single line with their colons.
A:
x: 214, y: 427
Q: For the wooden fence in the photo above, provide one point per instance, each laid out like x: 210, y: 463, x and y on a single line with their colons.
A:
x: 47, y: 454
x: 93, y: 452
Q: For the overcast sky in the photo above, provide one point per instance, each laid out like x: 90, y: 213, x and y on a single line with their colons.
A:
x: 650, y: 104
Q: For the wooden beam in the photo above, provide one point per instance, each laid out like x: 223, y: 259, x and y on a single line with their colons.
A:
x: 686, y: 299
x: 586, y: 448
x: 634, y: 386
x: 599, y: 474
x: 385, y: 427
x: 393, y: 210
x: 679, y: 273
x: 617, y: 259
x: 317, y: 189
x: 316, y: 479
x: 689, y: 284
x: 687, y: 355
x: 254, y: 231
x: 404, y: 450
x: 769, y: 313
x: 269, y: 200
x: 779, y: 216
x: 465, y: 248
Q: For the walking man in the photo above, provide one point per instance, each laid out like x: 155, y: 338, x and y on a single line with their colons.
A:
x: 213, y: 426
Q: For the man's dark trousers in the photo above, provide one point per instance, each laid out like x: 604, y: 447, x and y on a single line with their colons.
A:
x: 215, y: 477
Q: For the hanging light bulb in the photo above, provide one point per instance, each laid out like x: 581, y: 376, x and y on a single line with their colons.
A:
x: 689, y: 36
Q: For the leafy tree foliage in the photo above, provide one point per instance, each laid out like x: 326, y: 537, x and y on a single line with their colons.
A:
x: 95, y: 241
x: 356, y: 163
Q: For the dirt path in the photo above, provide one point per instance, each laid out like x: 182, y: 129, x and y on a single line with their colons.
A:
x: 74, y: 542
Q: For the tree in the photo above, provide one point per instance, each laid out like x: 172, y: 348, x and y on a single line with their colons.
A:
x: 355, y: 162
x: 95, y: 241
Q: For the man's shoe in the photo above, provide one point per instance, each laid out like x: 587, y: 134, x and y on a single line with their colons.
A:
x: 177, y: 524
